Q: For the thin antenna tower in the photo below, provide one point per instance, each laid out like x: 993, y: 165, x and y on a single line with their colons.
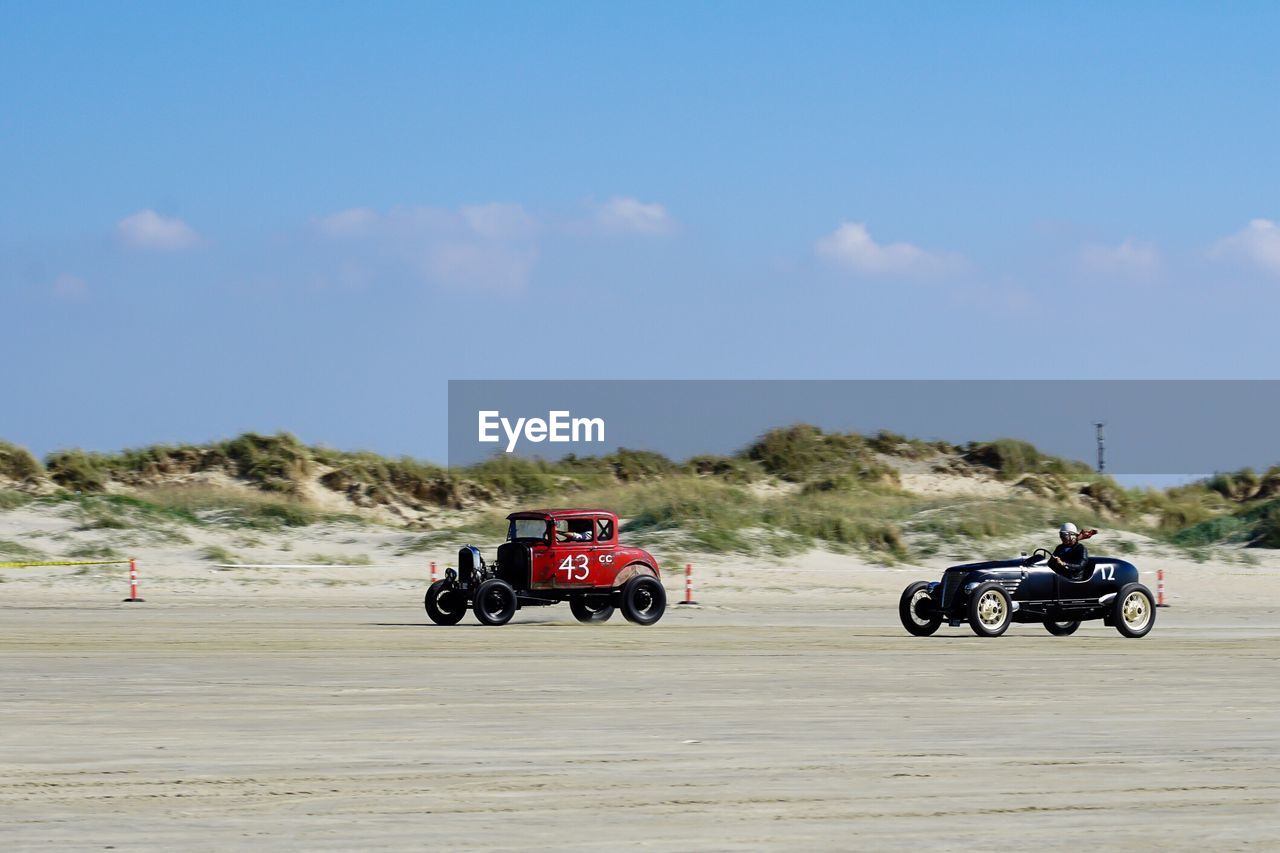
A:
x: 1102, y: 459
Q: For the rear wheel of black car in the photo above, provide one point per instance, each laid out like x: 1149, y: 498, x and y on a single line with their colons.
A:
x: 495, y: 602
x: 644, y: 600
x: 1061, y: 629
x: 445, y: 604
x: 591, y: 608
x: 918, y: 611
x: 1134, y: 611
x: 990, y: 610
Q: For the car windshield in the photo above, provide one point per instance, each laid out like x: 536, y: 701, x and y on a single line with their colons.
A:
x: 527, y: 528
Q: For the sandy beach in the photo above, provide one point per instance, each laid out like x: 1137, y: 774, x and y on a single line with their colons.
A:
x: 321, y: 710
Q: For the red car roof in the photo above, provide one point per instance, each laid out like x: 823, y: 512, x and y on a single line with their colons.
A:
x: 557, y: 513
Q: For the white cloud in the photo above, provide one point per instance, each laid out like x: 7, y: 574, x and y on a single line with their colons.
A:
x: 147, y: 229
x: 495, y: 245
x: 69, y: 287
x: 1258, y: 245
x: 499, y: 221
x: 477, y: 246
x: 623, y: 215
x: 1130, y: 259
x: 355, y: 221
x: 474, y: 265
x: 851, y: 246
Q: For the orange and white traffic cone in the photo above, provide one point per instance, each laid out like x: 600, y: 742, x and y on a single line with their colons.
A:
x: 688, y: 586
x: 133, y: 581
x: 1160, y: 588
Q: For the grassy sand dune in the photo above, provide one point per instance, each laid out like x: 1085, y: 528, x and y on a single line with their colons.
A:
x: 886, y: 497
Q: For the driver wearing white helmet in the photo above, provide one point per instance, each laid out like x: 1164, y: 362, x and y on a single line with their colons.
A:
x: 1070, y: 557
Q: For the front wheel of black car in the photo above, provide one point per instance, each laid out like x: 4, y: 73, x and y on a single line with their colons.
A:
x: 1134, y: 611
x: 495, y: 602
x: 1061, y: 629
x: 591, y: 608
x: 644, y: 600
x: 990, y: 610
x: 918, y: 611
x: 445, y: 604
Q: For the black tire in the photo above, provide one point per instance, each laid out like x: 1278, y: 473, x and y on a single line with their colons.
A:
x: 643, y: 600
x: 990, y: 610
x: 495, y: 602
x: 910, y: 608
x: 1134, y: 611
x: 1061, y: 629
x: 446, y: 605
x: 591, y: 608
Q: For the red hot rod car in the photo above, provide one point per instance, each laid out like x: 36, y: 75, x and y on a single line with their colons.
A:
x: 552, y: 555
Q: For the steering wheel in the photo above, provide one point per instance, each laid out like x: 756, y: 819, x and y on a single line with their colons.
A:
x: 1035, y: 556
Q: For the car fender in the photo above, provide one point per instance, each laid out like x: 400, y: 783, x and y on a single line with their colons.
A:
x: 633, y: 570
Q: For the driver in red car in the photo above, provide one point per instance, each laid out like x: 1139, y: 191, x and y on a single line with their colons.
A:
x: 1070, y: 557
x: 574, y: 530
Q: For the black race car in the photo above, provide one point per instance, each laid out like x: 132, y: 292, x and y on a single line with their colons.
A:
x: 989, y: 596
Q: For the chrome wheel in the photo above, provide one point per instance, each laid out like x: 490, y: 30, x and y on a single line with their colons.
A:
x: 1133, y: 613
x: 991, y: 610
x: 922, y: 596
x: 918, y: 610
x: 1136, y: 610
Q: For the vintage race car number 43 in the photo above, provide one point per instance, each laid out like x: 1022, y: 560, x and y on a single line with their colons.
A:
x: 576, y: 566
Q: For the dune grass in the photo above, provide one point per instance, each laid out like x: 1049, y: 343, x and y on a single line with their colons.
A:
x: 91, y: 551
x: 219, y: 507
x: 17, y: 463
x: 10, y: 551
x: 791, y: 488
x: 12, y: 500
x: 335, y: 559
x: 218, y: 554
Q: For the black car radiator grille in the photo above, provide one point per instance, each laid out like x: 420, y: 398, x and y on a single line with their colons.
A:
x: 950, y: 583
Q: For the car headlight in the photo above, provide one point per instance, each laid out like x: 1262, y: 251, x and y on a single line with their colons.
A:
x: 970, y: 587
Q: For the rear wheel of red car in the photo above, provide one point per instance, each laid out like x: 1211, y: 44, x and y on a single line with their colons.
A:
x: 1061, y: 629
x: 643, y: 600
x: 990, y: 610
x: 591, y: 608
x: 445, y: 604
x: 918, y: 610
x: 1134, y: 613
x: 495, y: 602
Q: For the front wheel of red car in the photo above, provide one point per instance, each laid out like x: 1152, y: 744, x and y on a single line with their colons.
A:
x: 495, y: 602
x: 643, y: 600
x: 445, y: 604
x: 591, y: 608
x: 918, y: 611
x: 990, y: 610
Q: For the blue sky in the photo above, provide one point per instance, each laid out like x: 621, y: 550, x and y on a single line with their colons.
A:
x: 310, y: 216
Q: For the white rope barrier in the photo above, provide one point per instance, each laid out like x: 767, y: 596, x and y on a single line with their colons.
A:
x: 227, y: 566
